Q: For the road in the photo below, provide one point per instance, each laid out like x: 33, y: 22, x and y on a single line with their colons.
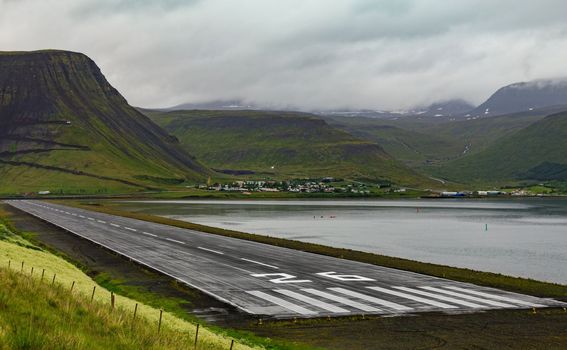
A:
x: 275, y: 282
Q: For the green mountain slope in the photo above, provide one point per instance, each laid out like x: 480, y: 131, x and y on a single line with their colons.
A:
x: 422, y: 142
x: 283, y: 144
x: 63, y: 127
x: 537, y: 152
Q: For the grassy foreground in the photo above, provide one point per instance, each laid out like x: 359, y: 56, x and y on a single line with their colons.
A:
x: 36, y: 313
x: 489, y: 279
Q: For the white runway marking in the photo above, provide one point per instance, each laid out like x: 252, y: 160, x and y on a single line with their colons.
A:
x: 341, y: 300
x: 372, y: 299
x: 314, y: 302
x: 92, y: 219
x: 130, y: 229
x: 496, y: 297
x: 174, y: 240
x: 414, y: 298
x: 82, y: 217
x: 210, y: 250
x: 285, y: 304
x: 468, y: 297
x: 102, y: 222
x: 111, y: 224
x: 441, y: 297
x: 149, y: 234
x: 259, y: 263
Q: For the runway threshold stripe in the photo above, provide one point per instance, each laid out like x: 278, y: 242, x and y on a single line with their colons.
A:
x: 372, y: 299
x: 341, y: 300
x: 210, y: 250
x: 468, y: 297
x: 495, y: 297
x: 318, y: 303
x: 174, y: 240
x: 413, y: 297
x: 442, y: 297
x: 259, y: 263
x: 283, y: 303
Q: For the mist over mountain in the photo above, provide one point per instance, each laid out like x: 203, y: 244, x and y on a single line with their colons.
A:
x: 524, y: 96
x: 450, y: 108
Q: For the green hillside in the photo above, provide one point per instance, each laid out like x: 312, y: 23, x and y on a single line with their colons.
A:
x: 280, y: 144
x: 537, y: 152
x: 424, y: 142
x: 64, y: 128
x: 412, y: 147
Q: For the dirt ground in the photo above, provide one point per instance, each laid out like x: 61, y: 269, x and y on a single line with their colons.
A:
x: 514, y: 329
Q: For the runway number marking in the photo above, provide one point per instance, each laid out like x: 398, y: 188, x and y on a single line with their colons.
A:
x: 284, y: 278
x: 349, y: 278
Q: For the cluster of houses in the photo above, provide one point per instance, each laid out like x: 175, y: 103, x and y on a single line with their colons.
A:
x: 516, y: 193
x: 471, y: 193
x: 323, y: 185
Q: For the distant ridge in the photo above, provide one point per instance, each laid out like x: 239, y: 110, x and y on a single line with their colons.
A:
x: 284, y: 144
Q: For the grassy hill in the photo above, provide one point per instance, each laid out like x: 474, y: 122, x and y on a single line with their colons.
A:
x: 280, y: 144
x: 537, y: 152
x: 63, y: 127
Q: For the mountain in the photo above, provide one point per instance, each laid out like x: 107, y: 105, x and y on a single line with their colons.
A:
x: 421, y: 142
x: 536, y: 152
x: 214, y: 105
x: 524, y: 96
x: 450, y: 108
x: 65, y: 129
x: 280, y: 144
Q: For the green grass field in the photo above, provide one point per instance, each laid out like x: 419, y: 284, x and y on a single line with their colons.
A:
x: 36, y: 314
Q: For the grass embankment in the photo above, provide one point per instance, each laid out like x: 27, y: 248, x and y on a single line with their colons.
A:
x: 36, y: 314
x: 514, y: 284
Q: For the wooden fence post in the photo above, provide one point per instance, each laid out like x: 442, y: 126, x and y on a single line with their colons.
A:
x: 53, y: 280
x: 112, y: 299
x: 197, y: 335
x: 135, y: 312
x: 22, y: 269
x: 159, y: 323
x: 31, y: 273
x: 92, y: 295
x: 231, y: 344
x: 72, y: 286
x: 42, y: 275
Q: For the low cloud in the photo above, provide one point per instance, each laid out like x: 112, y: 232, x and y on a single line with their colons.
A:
x: 305, y: 53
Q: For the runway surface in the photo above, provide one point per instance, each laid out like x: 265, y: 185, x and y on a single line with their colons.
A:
x: 271, y: 281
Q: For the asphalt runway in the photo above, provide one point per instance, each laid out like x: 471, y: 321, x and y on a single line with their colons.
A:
x: 275, y: 282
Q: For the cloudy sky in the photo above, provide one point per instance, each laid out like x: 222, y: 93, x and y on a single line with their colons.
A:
x: 308, y: 53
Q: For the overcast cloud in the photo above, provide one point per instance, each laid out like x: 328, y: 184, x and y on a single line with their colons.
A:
x: 307, y: 53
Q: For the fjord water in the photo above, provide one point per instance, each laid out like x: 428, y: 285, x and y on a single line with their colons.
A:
x: 524, y: 237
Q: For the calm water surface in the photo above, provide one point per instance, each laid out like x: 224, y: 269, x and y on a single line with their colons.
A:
x: 525, y: 237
